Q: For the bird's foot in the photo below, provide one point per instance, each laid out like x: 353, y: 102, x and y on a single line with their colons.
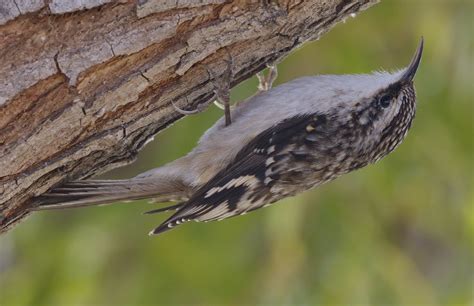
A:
x: 198, y: 109
x: 222, y: 89
x: 265, y: 82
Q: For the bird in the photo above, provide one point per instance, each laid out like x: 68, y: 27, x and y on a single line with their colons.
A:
x: 282, y: 141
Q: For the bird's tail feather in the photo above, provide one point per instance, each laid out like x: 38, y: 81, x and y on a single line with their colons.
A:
x: 97, y: 192
x: 165, y: 209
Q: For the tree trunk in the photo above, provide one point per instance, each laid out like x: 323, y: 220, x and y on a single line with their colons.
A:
x: 84, y: 84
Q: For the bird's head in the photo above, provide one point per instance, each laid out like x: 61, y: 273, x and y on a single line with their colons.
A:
x: 384, y: 111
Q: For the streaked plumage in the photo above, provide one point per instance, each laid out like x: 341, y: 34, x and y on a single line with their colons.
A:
x: 281, y: 142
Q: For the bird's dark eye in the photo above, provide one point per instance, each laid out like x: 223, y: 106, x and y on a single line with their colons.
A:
x: 384, y: 101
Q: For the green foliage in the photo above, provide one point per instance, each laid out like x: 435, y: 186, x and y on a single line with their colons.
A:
x: 397, y: 233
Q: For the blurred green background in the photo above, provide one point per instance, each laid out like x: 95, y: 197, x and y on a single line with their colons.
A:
x: 400, y: 232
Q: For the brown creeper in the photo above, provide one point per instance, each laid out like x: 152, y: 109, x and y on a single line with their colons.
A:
x: 282, y: 141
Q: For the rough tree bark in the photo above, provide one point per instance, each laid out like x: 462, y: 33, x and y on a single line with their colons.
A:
x: 84, y: 84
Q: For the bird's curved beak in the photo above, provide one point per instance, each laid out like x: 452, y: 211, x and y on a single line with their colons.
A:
x: 410, y: 71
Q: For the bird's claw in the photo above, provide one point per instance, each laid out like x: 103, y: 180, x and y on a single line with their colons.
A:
x: 198, y: 109
x: 219, y: 105
x: 265, y: 82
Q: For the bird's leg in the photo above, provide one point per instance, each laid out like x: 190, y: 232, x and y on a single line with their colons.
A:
x: 272, y: 75
x: 266, y: 82
x: 222, y: 90
x: 261, y: 81
x: 223, y: 101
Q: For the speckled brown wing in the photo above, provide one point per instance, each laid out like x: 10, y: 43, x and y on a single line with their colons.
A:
x: 273, y: 156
